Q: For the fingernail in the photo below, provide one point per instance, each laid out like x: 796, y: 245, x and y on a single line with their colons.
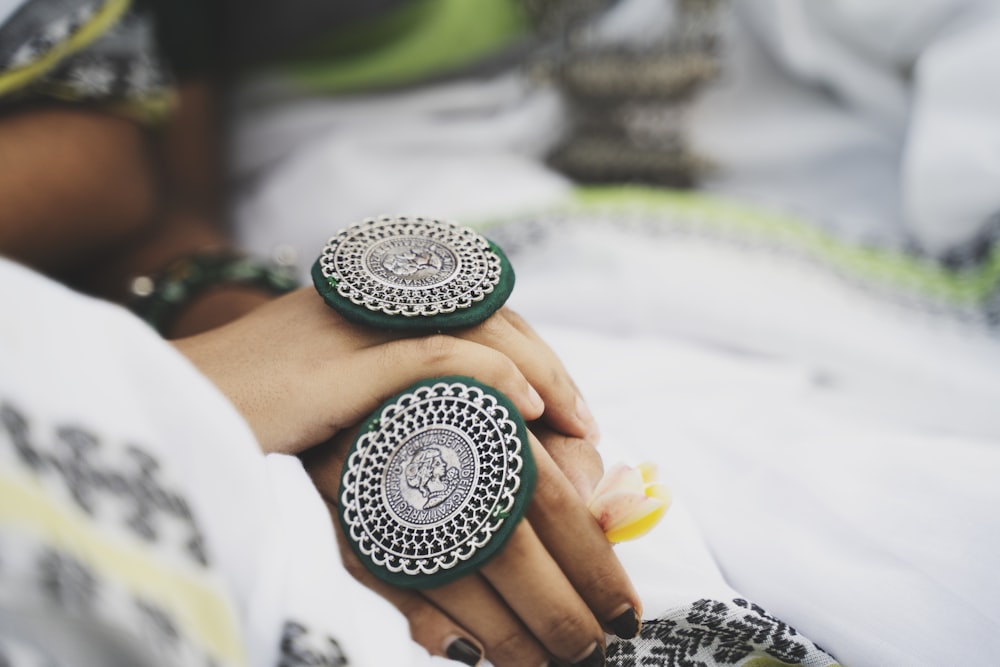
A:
x: 586, y: 417
x: 595, y: 658
x: 463, y: 651
x: 626, y: 624
x: 536, y: 400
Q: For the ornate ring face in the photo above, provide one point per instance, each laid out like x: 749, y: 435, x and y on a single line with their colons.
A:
x: 436, y: 482
x: 388, y: 270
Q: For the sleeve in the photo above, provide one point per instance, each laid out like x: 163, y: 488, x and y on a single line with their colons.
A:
x: 92, y: 52
x: 139, y: 522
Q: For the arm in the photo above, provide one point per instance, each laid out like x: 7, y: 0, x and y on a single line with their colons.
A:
x: 95, y: 200
x: 191, y: 216
x: 76, y: 184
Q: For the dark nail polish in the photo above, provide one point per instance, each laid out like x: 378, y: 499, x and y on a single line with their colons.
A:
x: 595, y: 659
x: 626, y: 625
x: 464, y: 651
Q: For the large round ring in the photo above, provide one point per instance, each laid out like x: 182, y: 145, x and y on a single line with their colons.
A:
x: 414, y: 274
x: 436, y: 482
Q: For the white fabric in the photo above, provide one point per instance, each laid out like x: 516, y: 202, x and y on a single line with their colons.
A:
x: 876, y: 118
x: 68, y: 359
x: 463, y: 150
x: 875, y: 540
x: 836, y: 451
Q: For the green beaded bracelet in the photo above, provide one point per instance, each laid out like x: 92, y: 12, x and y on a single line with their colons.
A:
x: 159, y: 299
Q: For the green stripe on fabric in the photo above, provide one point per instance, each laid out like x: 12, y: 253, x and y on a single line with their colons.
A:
x: 424, y: 39
x: 971, y: 286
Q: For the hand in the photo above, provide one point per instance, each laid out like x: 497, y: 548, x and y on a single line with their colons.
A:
x: 299, y: 373
x: 565, y: 410
x: 550, y: 593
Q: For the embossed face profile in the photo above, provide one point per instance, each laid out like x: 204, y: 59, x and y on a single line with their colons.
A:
x: 430, y: 474
x: 411, y: 261
x: 435, y: 482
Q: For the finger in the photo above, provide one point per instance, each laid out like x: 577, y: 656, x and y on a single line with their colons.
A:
x: 534, y: 587
x: 505, y: 638
x: 578, y: 460
x: 565, y: 409
x: 324, y: 462
x: 577, y: 544
x: 430, y: 627
x: 488, y: 621
x: 362, y: 381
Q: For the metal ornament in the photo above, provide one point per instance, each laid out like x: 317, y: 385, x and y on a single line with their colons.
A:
x: 412, y: 273
x: 436, y: 482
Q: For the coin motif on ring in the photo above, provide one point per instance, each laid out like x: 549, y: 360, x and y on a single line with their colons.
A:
x: 412, y: 267
x: 411, y: 262
x: 429, y: 478
x: 436, y: 481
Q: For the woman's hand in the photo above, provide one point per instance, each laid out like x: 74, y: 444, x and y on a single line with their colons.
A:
x: 565, y: 410
x: 299, y: 373
x: 550, y: 593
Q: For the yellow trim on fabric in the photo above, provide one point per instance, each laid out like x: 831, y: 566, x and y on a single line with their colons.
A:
x: 152, y: 109
x: 88, y: 33
x: 768, y: 661
x: 967, y: 287
x: 200, y: 608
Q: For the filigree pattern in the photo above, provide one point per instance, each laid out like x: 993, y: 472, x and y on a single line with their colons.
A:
x: 410, y: 266
x: 431, y: 485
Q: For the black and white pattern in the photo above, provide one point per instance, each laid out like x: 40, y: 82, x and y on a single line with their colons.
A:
x: 127, y: 489
x: 714, y: 633
x: 121, y: 65
x: 301, y: 647
x: 411, y: 266
x: 37, y: 28
x: 435, y: 482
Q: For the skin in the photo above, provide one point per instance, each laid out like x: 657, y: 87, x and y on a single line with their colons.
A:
x: 300, y: 374
x: 91, y: 199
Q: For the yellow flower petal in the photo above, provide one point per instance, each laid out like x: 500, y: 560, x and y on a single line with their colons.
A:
x: 618, y: 478
x: 639, y: 526
x: 628, y: 502
x: 648, y: 471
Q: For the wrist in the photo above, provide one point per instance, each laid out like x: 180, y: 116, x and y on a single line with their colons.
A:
x: 206, y: 289
x: 215, y: 307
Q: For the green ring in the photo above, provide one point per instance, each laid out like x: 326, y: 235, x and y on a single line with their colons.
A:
x: 522, y: 496
x: 458, y: 319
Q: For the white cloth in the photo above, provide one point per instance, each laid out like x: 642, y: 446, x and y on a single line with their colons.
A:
x: 878, y: 119
x: 67, y: 361
x: 875, y: 120
x: 876, y: 540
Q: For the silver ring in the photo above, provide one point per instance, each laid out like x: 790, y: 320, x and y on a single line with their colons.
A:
x: 436, y: 482
x: 403, y: 272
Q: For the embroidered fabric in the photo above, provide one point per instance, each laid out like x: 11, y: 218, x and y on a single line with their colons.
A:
x: 83, y: 51
x: 719, y: 633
